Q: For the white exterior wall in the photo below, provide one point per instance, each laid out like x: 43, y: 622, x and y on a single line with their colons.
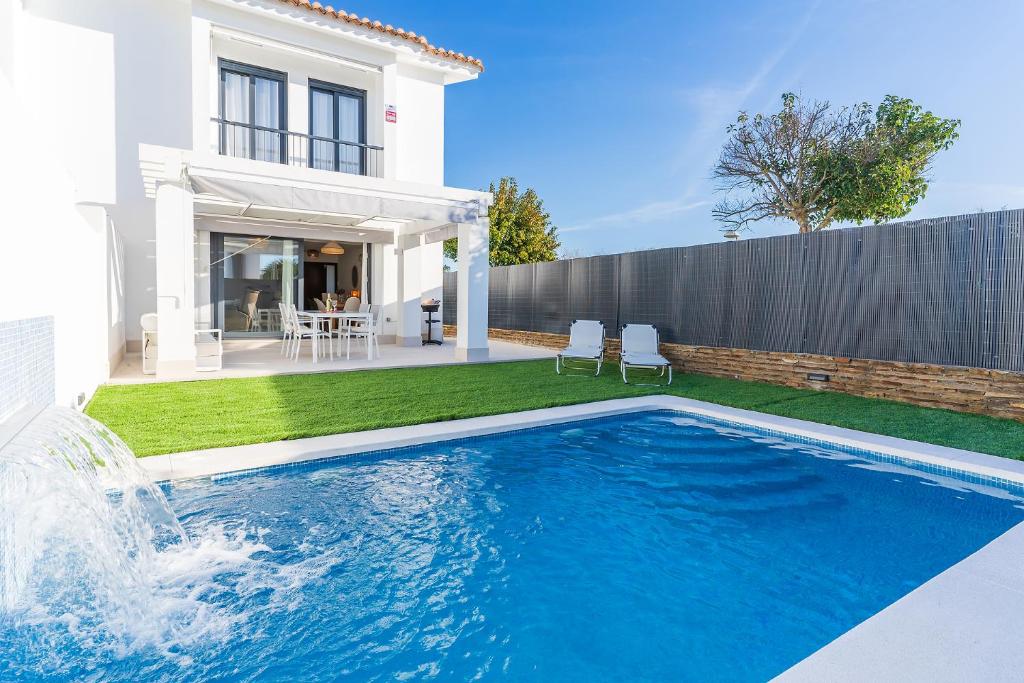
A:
x: 65, y: 257
x: 92, y: 81
x: 420, y: 129
x: 100, y: 78
x: 432, y: 278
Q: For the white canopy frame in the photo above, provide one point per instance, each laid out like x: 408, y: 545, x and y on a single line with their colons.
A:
x: 293, y: 202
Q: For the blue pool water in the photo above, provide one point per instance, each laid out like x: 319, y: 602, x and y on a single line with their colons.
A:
x: 644, y: 547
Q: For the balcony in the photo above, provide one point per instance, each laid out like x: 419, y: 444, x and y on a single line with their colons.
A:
x: 250, y: 141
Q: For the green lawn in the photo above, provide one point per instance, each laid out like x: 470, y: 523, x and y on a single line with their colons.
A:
x: 183, y: 416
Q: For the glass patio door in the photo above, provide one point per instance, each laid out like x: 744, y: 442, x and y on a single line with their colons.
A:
x: 251, y: 276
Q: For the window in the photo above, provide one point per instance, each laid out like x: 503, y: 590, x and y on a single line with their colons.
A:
x: 252, y: 111
x: 337, y: 128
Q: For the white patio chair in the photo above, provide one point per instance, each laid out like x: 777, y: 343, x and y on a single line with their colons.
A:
x: 586, y: 345
x: 305, y: 328
x: 640, y: 350
x: 352, y: 304
x: 287, y: 331
x: 363, y: 329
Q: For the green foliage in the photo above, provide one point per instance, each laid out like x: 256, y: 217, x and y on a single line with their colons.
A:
x: 814, y: 165
x: 883, y: 175
x: 521, y: 230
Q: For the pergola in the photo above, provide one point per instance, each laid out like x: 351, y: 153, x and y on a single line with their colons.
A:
x: 297, y: 202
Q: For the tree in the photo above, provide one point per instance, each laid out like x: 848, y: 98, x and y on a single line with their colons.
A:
x: 815, y: 165
x: 521, y: 231
x: 885, y: 174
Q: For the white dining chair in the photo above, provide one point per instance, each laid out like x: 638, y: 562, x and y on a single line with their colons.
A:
x: 365, y: 329
x: 287, y: 330
x: 306, y: 328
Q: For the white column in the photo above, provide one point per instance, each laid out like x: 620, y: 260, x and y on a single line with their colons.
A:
x: 175, y: 278
x: 473, y: 272
x: 410, y: 291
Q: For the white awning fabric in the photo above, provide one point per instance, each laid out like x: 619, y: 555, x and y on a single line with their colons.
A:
x: 338, y: 201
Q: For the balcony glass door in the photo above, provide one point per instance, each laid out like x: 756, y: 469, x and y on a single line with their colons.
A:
x: 337, y: 128
x: 251, y: 277
x: 252, y: 113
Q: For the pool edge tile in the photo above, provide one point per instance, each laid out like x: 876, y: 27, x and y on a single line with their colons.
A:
x: 978, y: 467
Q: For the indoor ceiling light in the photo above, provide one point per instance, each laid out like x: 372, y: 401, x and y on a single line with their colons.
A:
x: 332, y: 248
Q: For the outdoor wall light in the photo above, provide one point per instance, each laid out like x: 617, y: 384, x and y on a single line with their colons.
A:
x: 817, y: 377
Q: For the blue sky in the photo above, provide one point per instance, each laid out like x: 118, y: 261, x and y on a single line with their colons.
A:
x: 615, y: 112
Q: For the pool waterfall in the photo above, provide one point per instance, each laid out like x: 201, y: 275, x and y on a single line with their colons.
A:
x: 656, y: 542
x: 91, y: 551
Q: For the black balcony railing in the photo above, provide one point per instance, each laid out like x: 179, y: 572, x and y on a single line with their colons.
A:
x: 249, y: 141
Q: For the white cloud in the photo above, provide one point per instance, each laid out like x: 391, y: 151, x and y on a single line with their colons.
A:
x: 716, y: 106
x: 647, y: 213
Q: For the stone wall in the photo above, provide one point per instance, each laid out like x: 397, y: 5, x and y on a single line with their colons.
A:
x: 975, y: 390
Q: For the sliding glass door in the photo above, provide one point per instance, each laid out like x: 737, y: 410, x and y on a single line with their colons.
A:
x: 337, y: 128
x: 250, y: 276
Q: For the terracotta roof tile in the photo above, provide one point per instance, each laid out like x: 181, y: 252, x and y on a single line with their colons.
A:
x: 341, y: 15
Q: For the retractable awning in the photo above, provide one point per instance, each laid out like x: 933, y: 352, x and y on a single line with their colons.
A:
x: 302, y: 202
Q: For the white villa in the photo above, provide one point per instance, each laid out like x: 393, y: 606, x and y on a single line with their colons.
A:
x: 208, y: 160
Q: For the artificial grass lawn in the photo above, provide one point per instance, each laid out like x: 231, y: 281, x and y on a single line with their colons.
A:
x: 184, y: 416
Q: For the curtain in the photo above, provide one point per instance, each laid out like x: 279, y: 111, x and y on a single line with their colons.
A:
x: 268, y: 115
x: 236, y: 108
x: 322, y: 126
x: 350, y: 130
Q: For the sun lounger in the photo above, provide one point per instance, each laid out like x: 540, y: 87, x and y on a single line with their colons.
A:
x: 640, y: 350
x: 586, y: 345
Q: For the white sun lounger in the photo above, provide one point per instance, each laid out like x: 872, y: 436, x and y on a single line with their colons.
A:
x: 586, y: 345
x: 640, y: 350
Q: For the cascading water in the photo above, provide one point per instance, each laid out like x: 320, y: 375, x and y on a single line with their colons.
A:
x: 92, y: 554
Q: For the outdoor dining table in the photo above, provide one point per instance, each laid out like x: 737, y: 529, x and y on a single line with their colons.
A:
x: 320, y: 316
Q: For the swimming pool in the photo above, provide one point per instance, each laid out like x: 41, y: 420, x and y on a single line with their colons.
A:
x: 648, y: 546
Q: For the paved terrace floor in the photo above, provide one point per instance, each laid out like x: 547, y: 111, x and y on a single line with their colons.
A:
x: 261, y: 357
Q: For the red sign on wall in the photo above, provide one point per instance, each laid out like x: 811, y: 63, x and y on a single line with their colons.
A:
x: 390, y: 113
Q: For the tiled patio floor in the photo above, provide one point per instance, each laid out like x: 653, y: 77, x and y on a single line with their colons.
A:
x: 258, y: 357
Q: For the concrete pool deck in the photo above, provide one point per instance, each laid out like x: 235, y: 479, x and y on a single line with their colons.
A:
x: 961, y: 625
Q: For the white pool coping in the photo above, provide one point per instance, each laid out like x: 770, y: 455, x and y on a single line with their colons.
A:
x: 208, y: 462
x: 964, y: 624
